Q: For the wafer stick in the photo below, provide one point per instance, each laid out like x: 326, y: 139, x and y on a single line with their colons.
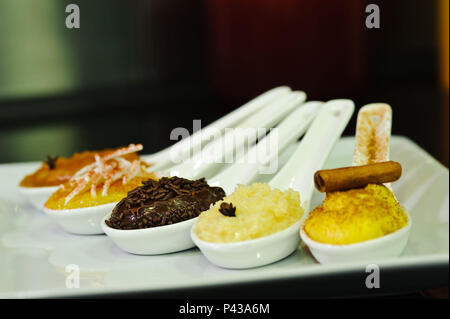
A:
x: 373, y: 131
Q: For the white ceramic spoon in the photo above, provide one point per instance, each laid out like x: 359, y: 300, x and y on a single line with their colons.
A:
x: 297, y: 174
x: 163, y: 159
x: 177, y: 237
x: 88, y: 220
x: 212, y: 157
x: 371, y: 118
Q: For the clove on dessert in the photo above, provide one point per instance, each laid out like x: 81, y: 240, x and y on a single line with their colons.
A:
x: 51, y: 161
x: 227, y: 209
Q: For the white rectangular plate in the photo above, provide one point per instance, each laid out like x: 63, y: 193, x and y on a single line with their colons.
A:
x: 35, y: 254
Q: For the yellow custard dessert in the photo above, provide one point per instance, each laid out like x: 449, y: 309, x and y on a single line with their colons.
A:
x: 356, y: 215
x: 258, y: 211
x: 107, y: 180
x: 116, y: 192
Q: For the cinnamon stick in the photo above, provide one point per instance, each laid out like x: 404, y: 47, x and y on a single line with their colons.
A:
x: 332, y: 180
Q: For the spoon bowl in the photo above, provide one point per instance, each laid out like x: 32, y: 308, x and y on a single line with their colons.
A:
x: 388, y: 246
x: 37, y: 196
x: 251, y: 253
x: 152, y: 241
x: 82, y: 221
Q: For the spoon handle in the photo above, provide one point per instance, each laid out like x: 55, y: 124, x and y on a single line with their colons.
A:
x: 373, y: 132
x: 207, y: 162
x: 263, y: 156
x: 181, y: 149
x: 314, y: 149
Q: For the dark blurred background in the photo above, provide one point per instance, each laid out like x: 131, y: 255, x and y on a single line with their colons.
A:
x: 137, y: 69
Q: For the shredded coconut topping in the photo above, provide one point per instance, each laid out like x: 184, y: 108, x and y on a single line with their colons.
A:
x: 106, y: 169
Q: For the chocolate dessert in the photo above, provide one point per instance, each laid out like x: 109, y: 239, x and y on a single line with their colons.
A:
x: 164, y: 202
